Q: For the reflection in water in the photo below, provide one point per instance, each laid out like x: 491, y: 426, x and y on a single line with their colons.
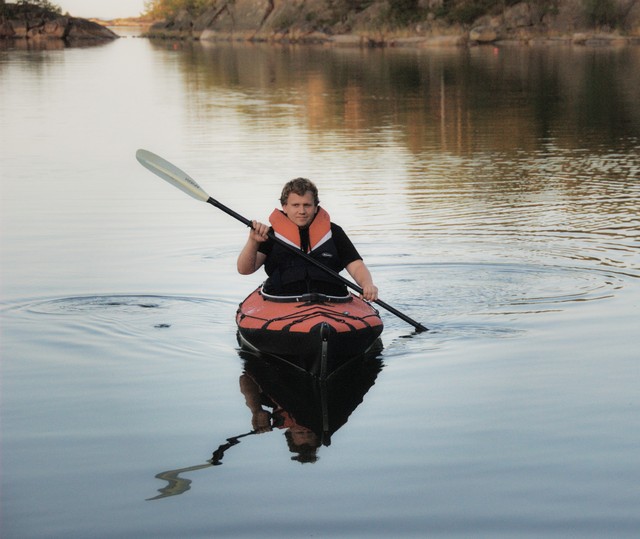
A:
x: 296, y: 399
x: 31, y: 44
x: 50, y: 44
x: 449, y: 100
x: 280, y: 398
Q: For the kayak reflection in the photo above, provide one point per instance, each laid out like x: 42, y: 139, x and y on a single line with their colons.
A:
x: 308, y: 409
x: 280, y: 398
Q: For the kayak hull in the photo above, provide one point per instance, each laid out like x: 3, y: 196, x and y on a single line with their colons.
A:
x: 314, y: 333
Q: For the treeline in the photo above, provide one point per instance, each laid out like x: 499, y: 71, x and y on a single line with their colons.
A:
x: 400, y: 11
x: 612, y: 13
x: 26, y: 5
x: 598, y: 13
x: 166, y: 9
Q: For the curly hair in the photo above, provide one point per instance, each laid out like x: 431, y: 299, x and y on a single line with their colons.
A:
x: 299, y: 186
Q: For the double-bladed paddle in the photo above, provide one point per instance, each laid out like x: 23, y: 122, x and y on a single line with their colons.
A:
x: 184, y: 182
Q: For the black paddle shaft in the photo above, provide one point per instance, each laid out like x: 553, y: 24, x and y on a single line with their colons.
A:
x: 417, y: 325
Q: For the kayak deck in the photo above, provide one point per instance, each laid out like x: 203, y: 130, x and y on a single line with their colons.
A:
x: 315, y: 333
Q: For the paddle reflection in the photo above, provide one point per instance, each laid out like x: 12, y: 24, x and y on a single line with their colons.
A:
x: 280, y: 398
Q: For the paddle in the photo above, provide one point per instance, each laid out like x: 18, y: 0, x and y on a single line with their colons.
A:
x: 184, y: 182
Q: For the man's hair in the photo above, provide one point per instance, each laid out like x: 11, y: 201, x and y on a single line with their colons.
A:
x: 299, y: 186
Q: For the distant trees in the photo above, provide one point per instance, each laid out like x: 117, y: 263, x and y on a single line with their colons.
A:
x: 402, y: 10
x: 44, y: 4
x: 405, y: 11
x: 611, y: 13
x: 160, y: 9
x: 398, y: 11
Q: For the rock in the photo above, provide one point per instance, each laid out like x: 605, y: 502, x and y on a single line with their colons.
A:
x: 605, y: 39
x: 14, y: 29
x: 82, y: 29
x: 6, y: 30
x: 445, y: 41
x: 518, y: 16
x: 209, y: 35
x: 56, y: 28
x: 346, y: 40
x: 407, y: 41
x: 28, y: 21
x: 483, y: 34
x: 579, y: 38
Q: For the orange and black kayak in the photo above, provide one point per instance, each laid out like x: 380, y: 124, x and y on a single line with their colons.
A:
x: 313, y: 332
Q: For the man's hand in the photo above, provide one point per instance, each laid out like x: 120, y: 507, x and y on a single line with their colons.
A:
x: 259, y: 232
x: 370, y: 292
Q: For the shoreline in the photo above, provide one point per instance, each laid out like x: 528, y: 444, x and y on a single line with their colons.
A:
x: 400, y: 40
x: 511, y: 28
x: 374, y: 25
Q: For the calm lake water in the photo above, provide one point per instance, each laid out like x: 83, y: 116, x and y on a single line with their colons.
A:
x: 495, y: 194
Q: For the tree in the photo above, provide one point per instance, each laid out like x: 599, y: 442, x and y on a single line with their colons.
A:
x: 162, y: 9
x: 43, y: 4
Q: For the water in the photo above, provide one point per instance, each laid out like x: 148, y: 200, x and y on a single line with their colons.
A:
x: 494, y: 193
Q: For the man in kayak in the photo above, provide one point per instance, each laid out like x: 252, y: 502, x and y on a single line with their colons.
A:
x: 304, y: 224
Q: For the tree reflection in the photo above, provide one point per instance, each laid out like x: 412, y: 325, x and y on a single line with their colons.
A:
x: 447, y: 99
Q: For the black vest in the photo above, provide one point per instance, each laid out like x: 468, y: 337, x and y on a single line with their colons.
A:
x: 290, y: 274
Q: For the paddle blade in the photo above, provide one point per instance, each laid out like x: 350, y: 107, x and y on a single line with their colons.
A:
x: 171, y: 174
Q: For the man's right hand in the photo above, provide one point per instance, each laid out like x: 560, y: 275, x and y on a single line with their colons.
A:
x: 259, y: 231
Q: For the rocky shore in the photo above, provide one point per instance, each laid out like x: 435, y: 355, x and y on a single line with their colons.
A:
x: 36, y: 24
x: 315, y: 21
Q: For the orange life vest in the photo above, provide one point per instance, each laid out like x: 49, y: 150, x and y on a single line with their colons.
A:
x: 288, y: 231
x: 290, y: 274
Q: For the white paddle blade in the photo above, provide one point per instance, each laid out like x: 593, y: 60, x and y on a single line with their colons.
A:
x: 172, y: 174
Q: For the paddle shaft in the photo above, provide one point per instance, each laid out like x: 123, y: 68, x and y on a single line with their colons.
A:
x: 417, y: 325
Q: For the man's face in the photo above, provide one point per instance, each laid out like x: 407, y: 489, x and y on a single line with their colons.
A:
x: 300, y: 209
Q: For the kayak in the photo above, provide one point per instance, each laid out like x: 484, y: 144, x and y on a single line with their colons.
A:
x: 313, y: 332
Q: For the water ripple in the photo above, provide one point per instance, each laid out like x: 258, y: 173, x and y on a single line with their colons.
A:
x: 496, y: 289
x: 143, y: 317
x: 122, y: 303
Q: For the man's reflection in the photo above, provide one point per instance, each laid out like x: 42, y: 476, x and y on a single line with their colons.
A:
x: 280, y: 398
x: 301, y: 440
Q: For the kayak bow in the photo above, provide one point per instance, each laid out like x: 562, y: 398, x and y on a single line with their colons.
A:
x: 313, y: 332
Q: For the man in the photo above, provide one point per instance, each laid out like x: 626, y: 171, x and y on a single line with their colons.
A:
x: 304, y: 224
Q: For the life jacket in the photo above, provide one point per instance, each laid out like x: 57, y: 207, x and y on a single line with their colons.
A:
x: 290, y: 274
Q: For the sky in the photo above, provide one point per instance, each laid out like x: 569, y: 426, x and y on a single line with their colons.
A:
x: 101, y: 9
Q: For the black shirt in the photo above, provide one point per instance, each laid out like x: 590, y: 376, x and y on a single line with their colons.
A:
x: 346, y: 250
